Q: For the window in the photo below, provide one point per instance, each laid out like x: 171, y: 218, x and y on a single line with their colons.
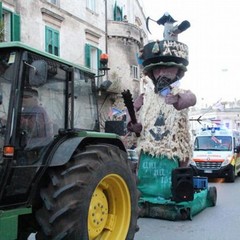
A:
x: 91, y: 4
x: 84, y: 102
x: 9, y: 25
x: 134, y: 72
x: 55, y: 2
x: 92, y: 56
x: 117, y: 14
x: 52, y: 41
x: 42, y: 111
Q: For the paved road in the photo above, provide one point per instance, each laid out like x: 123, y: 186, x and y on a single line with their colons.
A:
x: 221, y: 222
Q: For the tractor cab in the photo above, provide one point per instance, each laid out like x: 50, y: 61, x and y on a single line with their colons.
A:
x: 40, y: 97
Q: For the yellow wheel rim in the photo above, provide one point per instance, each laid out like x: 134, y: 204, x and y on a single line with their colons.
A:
x: 110, y: 210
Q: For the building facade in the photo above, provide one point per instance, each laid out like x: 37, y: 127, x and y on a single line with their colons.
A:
x: 228, y: 117
x: 79, y: 31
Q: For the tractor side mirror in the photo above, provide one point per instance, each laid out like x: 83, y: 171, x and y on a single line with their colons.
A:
x: 38, y: 73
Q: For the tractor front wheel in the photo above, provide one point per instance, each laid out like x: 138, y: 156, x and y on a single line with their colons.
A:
x: 93, y: 197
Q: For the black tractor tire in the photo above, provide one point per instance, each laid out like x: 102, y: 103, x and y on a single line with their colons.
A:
x: 212, y: 195
x: 94, y: 196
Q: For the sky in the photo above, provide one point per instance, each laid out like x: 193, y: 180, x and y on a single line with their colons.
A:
x: 213, y: 42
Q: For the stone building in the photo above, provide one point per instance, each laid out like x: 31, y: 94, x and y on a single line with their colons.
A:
x: 79, y: 31
x: 228, y: 116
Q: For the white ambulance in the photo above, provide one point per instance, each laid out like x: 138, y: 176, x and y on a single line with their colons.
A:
x: 217, y: 153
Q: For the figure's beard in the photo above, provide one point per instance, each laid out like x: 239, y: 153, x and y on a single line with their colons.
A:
x: 164, y: 77
x: 163, y: 83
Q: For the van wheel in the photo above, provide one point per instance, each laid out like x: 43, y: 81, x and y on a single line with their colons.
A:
x: 231, y: 177
x: 94, y: 196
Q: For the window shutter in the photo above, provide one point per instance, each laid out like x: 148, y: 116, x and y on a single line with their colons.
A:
x: 52, y: 41
x: 48, y: 40
x: 56, y: 43
x: 1, y: 11
x: 115, y: 12
x: 2, y: 32
x: 15, y: 27
x: 88, y: 55
x: 99, y: 52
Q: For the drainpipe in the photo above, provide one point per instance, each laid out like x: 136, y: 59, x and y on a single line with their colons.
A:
x: 106, y: 33
x: 106, y: 28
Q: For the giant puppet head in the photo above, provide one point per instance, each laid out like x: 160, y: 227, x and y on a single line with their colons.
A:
x: 165, y: 61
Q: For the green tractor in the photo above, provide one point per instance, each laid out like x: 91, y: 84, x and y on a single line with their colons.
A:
x: 60, y: 177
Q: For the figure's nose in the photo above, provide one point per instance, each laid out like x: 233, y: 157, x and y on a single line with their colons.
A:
x: 167, y: 72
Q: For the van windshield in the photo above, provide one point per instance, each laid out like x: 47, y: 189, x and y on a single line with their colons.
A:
x: 214, y: 143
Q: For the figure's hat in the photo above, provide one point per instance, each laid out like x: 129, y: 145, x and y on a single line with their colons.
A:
x: 169, y: 51
x: 164, y: 53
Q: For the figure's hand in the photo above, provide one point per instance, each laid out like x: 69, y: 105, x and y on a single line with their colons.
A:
x: 185, y: 100
x: 171, y: 99
x: 138, y: 102
x: 136, y: 127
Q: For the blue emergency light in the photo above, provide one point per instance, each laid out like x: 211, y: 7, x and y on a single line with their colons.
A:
x: 213, y: 129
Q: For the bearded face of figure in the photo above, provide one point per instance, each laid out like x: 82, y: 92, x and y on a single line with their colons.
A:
x: 165, y: 76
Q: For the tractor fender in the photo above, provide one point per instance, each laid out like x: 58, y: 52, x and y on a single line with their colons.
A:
x: 65, y: 151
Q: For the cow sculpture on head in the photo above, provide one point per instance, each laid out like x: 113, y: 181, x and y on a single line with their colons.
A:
x: 164, y: 141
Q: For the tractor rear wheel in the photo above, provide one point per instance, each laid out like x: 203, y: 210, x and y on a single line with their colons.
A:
x: 93, y: 197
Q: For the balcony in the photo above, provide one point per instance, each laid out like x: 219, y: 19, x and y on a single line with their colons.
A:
x: 124, y: 30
